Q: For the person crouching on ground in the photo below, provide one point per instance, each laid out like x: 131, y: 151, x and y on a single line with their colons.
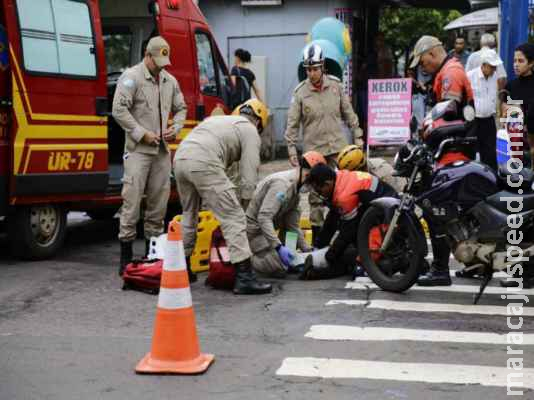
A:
x: 275, y: 205
x: 199, y: 167
x: 348, y: 194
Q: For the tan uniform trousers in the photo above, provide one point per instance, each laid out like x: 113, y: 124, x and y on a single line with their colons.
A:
x: 316, y: 204
x: 265, y: 258
x: 144, y: 174
x: 196, y: 182
x: 267, y: 262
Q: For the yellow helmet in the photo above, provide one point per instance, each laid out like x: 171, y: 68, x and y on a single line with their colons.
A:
x: 351, y: 158
x: 259, y: 109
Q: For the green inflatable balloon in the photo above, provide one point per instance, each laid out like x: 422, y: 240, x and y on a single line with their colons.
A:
x: 335, y: 31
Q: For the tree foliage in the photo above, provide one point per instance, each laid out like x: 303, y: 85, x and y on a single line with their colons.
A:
x: 403, y: 26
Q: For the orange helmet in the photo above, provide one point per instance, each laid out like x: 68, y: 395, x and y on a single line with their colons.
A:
x: 311, y: 159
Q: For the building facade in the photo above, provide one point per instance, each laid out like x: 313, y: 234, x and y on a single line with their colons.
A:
x: 275, y: 35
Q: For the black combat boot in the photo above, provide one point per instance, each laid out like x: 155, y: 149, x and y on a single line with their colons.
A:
x: 437, y: 276
x: 126, y: 255
x: 246, y: 282
x: 192, y: 276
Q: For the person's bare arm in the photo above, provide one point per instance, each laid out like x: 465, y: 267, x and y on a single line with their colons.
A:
x: 257, y: 91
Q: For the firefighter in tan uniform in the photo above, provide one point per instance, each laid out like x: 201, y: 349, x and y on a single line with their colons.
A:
x: 319, y: 106
x: 200, y: 166
x: 145, y: 97
x: 275, y: 205
x: 353, y: 158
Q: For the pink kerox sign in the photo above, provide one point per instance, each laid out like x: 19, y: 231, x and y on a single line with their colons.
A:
x: 389, y: 111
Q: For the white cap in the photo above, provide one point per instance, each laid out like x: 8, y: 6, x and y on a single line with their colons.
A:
x: 489, y: 56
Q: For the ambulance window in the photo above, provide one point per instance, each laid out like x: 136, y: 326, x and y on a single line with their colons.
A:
x: 206, y: 66
x: 118, y: 47
x: 57, y: 37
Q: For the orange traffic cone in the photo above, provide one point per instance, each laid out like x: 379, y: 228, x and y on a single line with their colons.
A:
x: 175, y: 347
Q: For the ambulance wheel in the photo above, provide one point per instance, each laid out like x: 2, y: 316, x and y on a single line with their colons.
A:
x: 37, y: 232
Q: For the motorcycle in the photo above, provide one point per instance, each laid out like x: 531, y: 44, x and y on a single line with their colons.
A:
x: 465, y: 199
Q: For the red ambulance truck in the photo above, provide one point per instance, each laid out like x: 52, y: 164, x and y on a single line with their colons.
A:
x: 60, y: 149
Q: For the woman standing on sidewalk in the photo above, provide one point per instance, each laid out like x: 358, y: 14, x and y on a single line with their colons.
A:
x: 522, y: 88
x: 243, y: 79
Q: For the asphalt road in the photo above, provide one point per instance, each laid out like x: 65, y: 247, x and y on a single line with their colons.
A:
x: 68, y: 331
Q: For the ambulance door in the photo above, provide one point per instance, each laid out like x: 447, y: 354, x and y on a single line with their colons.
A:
x: 59, y: 100
x: 195, y: 59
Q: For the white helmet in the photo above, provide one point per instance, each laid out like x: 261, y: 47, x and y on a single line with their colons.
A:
x: 312, y: 56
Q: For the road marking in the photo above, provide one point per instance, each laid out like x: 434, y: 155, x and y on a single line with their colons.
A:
x: 355, y: 333
x: 397, y: 371
x: 432, y: 307
x: 360, y: 285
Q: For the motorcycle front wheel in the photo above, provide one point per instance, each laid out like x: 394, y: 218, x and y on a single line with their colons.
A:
x: 398, y: 267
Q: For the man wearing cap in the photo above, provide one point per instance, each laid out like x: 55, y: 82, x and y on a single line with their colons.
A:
x: 487, y: 42
x: 450, y: 83
x: 146, y: 96
x: 450, y: 80
x: 484, y: 82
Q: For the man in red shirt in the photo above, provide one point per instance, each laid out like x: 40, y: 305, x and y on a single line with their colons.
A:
x: 449, y: 78
x: 450, y: 82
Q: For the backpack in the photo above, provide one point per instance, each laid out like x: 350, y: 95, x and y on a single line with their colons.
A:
x: 143, y: 275
x: 241, y: 90
x: 221, y: 274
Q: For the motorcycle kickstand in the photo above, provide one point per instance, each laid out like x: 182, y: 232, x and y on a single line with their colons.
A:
x: 485, y: 280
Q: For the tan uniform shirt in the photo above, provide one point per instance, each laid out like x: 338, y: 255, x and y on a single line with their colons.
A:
x: 275, y: 205
x: 320, y: 114
x: 141, y: 104
x: 222, y: 140
x: 384, y: 171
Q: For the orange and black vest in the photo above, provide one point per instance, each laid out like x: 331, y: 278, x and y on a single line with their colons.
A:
x: 350, y: 185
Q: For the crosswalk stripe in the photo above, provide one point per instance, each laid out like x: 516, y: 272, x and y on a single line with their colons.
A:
x: 432, y: 307
x: 360, y: 285
x: 356, y: 333
x: 397, y: 371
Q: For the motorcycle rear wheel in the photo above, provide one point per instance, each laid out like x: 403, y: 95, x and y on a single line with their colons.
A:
x: 398, y: 268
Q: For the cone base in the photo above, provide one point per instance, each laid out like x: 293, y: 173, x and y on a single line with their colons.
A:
x: 149, y: 365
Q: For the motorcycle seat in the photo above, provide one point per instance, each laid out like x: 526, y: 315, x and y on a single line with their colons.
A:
x: 525, y: 174
x: 526, y: 199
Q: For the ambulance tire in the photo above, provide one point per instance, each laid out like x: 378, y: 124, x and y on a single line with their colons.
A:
x: 37, y: 232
